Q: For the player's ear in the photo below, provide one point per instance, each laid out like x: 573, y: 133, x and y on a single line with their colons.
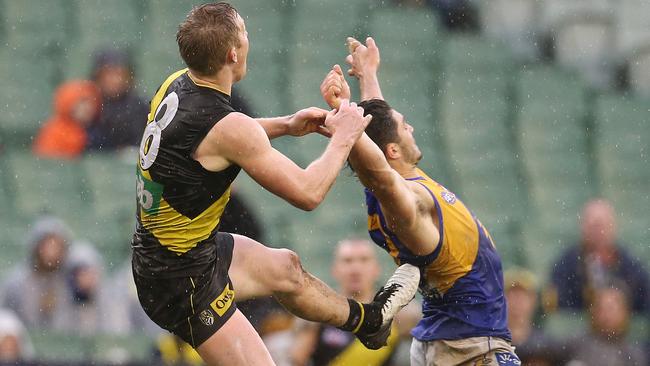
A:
x: 232, y: 55
x: 392, y: 151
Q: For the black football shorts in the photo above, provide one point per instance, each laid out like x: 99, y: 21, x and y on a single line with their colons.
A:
x: 192, y: 307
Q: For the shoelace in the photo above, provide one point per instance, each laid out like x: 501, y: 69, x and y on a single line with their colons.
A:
x: 385, y: 294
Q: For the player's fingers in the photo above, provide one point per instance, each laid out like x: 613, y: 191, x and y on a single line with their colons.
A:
x: 322, y: 130
x: 328, y: 83
x: 329, y: 77
x: 367, y: 119
x: 353, y: 105
x: 351, y: 72
x: 349, y: 59
x: 345, y: 103
x: 370, y: 43
x: 331, y: 114
x: 352, y: 44
x: 337, y: 70
x: 360, y: 110
x: 334, y: 90
x: 318, y: 112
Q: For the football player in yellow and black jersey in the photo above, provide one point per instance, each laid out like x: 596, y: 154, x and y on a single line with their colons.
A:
x: 187, y: 273
x: 419, y: 221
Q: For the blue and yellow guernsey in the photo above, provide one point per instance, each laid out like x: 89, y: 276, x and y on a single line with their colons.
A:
x: 462, y: 280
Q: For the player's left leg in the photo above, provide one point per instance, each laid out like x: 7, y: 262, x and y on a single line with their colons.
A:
x: 235, y: 343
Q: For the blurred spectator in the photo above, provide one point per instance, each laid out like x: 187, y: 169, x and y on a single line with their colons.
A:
x: 276, y: 330
x: 75, y: 105
x: 124, y: 114
x: 15, y: 345
x: 124, y: 309
x: 596, y: 261
x: 88, y: 296
x: 356, y: 270
x: 37, y: 290
x: 457, y: 15
x: 533, y: 346
x: 605, y: 345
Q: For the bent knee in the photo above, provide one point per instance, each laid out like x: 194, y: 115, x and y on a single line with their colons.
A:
x: 290, y: 276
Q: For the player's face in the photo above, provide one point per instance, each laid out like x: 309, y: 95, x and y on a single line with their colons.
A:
x: 242, y: 50
x: 410, y: 150
x: 355, y: 268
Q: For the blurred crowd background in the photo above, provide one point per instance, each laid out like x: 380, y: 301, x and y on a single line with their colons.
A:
x: 535, y: 112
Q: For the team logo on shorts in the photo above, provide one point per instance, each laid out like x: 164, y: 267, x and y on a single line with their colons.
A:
x: 507, y: 359
x: 449, y: 197
x: 206, y: 317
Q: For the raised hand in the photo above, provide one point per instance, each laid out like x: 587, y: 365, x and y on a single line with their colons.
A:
x: 308, y: 120
x: 334, y: 88
x: 363, y: 59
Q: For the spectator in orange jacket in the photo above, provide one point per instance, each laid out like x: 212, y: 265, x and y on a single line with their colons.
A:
x: 63, y: 136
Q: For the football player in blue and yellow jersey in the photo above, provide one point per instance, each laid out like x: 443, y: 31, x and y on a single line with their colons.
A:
x: 187, y: 273
x: 418, y: 221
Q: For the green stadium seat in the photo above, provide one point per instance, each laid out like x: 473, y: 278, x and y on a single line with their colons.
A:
x: 61, y: 347
x: 265, y: 85
x: 474, y: 54
x: 474, y: 116
x: 317, y: 47
x: 567, y: 324
x: 30, y: 77
x: 551, y: 110
x: 622, y: 134
x: 111, y: 181
x: 47, y: 186
x: 41, y: 23
x: 543, y: 244
x: 393, y: 30
x: 102, y: 25
x: 136, y: 347
x: 621, y: 146
x: 157, y: 56
x: 56, y: 346
x: 111, y: 184
x: 410, y: 75
x: 6, y: 201
x: 13, y: 243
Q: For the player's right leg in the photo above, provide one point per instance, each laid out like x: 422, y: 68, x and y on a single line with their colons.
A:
x: 257, y: 270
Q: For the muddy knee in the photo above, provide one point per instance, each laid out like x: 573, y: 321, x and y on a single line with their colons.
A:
x: 290, y: 275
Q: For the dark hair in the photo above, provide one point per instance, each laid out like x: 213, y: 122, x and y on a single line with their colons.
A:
x: 206, y: 35
x: 383, y: 127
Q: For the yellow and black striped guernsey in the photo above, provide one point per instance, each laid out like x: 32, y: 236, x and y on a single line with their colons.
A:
x: 179, y: 202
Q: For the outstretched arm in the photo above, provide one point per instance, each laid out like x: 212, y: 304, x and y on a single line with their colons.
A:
x: 406, y: 205
x: 301, y: 123
x: 238, y: 139
x: 369, y: 162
